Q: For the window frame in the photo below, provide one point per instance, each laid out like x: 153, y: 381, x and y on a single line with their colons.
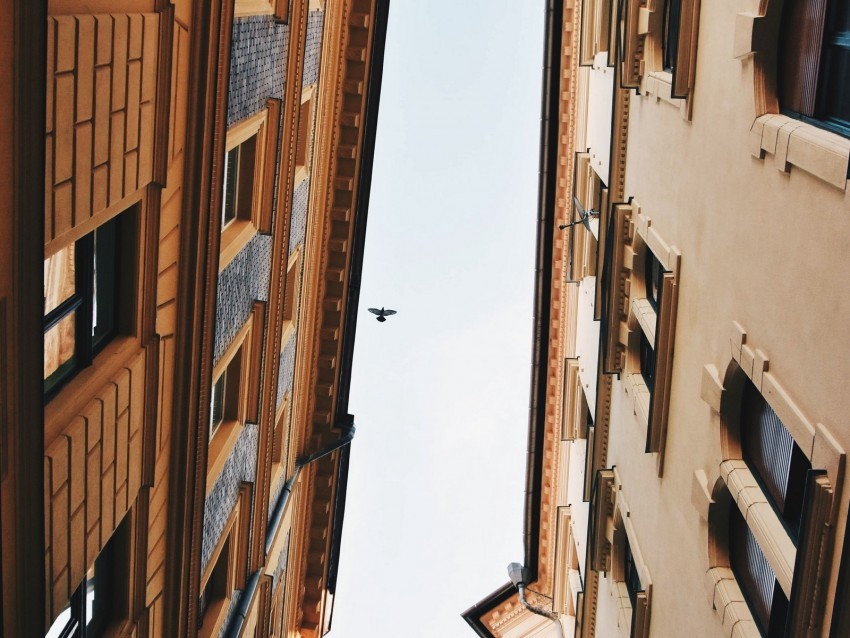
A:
x: 303, y: 157
x: 292, y: 296
x: 800, y: 571
x: 238, y: 232
x: 240, y: 355
x: 82, y: 303
x: 633, y: 319
x: 232, y: 548
x: 809, y: 103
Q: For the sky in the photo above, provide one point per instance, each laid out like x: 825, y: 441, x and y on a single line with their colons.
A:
x: 440, y: 391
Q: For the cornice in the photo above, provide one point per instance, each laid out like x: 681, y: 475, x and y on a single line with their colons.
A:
x: 559, y: 299
x: 332, y: 211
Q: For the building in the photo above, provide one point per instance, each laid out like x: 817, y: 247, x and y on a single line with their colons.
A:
x: 687, y: 441
x: 176, y: 462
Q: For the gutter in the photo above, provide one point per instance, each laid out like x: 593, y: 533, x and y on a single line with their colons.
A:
x: 549, y: 126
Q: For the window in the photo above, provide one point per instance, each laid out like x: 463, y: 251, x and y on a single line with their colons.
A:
x: 235, y: 392
x: 647, y: 362
x: 237, y: 198
x: 595, y: 30
x: 248, y: 180
x: 224, y: 402
x: 642, y: 288
x: 82, y: 301
x: 773, y: 457
x: 227, y: 409
x: 653, y: 277
x: 102, y: 598
x: 280, y: 426
x: 631, y: 577
x: 291, y: 295
x: 670, y: 33
x: 815, y: 62
x: 303, y: 146
x: 767, y: 602
x: 226, y: 569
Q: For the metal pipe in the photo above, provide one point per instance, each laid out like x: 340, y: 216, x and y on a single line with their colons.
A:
x: 551, y: 615
x: 250, y: 591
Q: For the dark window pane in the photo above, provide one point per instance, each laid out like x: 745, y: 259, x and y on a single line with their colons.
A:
x: 773, y: 457
x: 217, y: 403
x: 670, y: 39
x: 755, y: 577
x: 653, y: 279
x: 231, y: 174
x: 647, y: 361
x: 105, y: 280
x: 836, y: 84
x: 630, y: 572
x: 800, y: 52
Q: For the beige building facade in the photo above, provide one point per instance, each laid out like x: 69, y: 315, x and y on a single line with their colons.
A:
x: 690, y: 476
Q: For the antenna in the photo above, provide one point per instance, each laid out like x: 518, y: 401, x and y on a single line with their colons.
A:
x: 584, y: 216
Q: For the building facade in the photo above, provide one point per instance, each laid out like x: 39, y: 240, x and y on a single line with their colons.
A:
x: 687, y: 439
x: 179, y: 467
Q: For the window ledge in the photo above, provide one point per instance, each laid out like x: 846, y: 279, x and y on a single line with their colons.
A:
x: 214, y: 618
x: 646, y: 317
x: 234, y: 238
x: 659, y: 84
x: 245, y: 8
x: 88, y: 384
x: 729, y: 604
x: 636, y: 388
x: 820, y: 153
x: 768, y: 530
x: 219, y: 450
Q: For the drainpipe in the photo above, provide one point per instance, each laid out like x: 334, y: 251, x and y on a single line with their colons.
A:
x: 241, y: 613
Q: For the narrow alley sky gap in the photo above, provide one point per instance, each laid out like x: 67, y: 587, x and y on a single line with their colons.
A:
x: 440, y: 391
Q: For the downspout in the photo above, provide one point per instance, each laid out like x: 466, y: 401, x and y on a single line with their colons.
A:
x: 241, y: 613
x: 540, y: 611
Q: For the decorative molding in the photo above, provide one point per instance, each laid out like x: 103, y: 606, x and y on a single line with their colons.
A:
x: 277, y: 281
x: 206, y: 123
x: 802, y: 571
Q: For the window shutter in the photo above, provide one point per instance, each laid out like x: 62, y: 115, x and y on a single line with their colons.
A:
x: 801, y: 45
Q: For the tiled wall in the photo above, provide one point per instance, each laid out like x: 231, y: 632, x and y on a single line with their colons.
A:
x: 257, y: 65
x: 244, y: 280
x: 240, y: 466
x: 313, y: 47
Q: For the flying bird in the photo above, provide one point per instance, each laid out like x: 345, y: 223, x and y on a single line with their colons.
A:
x: 382, y: 313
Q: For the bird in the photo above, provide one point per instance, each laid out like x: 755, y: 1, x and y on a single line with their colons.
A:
x: 382, y: 313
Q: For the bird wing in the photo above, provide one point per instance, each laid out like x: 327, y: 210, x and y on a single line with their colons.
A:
x: 374, y: 311
x: 387, y: 313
